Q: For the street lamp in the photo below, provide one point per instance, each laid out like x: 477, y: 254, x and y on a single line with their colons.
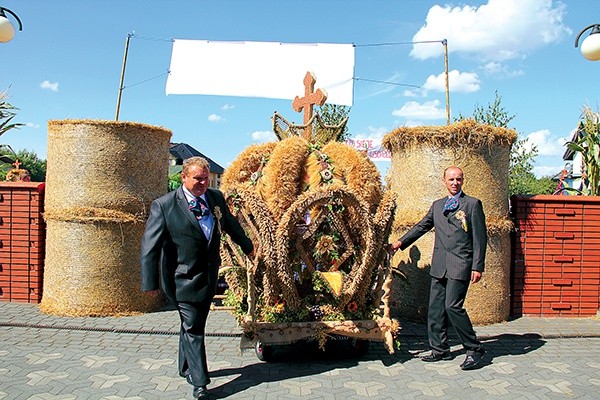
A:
x: 7, y: 30
x: 590, y: 47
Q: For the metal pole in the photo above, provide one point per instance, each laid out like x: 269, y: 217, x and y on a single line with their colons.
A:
x: 122, y: 76
x: 445, y: 43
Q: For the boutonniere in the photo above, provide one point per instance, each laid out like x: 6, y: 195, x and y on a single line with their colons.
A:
x: 462, y: 217
x: 217, y: 212
x: 218, y: 215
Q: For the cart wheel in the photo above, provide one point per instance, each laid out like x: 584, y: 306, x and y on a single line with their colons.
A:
x: 359, y: 347
x: 263, y: 352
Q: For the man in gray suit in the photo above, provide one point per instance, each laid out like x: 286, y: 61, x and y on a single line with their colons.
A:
x: 458, y: 259
x: 180, y: 254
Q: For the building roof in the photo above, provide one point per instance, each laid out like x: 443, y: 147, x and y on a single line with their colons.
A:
x: 182, y: 151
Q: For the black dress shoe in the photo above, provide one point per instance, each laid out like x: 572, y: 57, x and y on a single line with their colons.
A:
x: 200, y: 392
x: 433, y: 356
x: 472, y: 361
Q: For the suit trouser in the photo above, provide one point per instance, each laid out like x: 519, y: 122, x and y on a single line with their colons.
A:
x: 446, y: 299
x: 192, y: 350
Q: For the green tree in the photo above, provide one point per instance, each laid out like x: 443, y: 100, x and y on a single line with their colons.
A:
x: 334, y: 114
x: 29, y: 160
x: 174, y: 181
x: 521, y: 179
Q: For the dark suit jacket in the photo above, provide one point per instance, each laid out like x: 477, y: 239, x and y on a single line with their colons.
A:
x: 456, y: 252
x: 175, y: 251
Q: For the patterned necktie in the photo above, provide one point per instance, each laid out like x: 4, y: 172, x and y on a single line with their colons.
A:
x: 451, y: 204
x: 203, y: 206
x: 202, y: 213
x: 199, y: 207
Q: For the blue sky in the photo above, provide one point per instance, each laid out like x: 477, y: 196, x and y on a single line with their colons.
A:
x: 66, y: 63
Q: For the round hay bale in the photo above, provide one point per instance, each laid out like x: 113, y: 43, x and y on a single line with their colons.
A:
x: 106, y: 164
x: 419, y: 157
x: 101, y: 178
x: 409, y: 297
x: 488, y: 301
x: 92, y: 269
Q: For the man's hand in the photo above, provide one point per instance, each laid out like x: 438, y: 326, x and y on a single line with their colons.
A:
x: 153, y: 293
x: 391, y: 248
x: 475, y: 276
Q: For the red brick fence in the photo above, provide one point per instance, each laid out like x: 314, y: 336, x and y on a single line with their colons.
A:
x: 556, y: 255
x: 555, y: 269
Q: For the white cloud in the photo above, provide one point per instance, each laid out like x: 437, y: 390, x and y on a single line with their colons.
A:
x: 547, y: 170
x: 49, y: 86
x: 462, y: 82
x: 264, y: 136
x: 372, y: 133
x: 411, y: 93
x: 545, y: 143
x: 215, y: 118
x: 499, y: 70
x: 415, y: 110
x: 414, y: 122
x: 497, y: 31
x: 227, y: 107
x: 32, y: 125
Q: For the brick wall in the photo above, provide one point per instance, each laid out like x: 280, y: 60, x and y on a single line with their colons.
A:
x: 556, y: 256
x: 22, y: 241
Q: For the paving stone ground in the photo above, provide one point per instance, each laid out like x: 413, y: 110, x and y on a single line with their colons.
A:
x: 49, y: 358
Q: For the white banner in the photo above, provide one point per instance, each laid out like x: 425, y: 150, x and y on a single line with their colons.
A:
x: 373, y: 148
x: 261, y: 69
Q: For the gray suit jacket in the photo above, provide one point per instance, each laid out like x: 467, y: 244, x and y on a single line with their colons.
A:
x: 175, y: 251
x: 456, y: 251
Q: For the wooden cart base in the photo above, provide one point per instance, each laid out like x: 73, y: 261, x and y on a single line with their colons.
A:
x: 266, y: 334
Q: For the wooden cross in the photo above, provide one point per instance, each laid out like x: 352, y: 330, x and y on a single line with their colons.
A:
x: 17, y: 164
x: 306, y: 103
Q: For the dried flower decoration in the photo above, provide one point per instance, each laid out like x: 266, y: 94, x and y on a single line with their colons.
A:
x: 255, y: 177
x: 218, y: 215
x: 462, y: 217
x: 352, y: 306
x: 325, y: 244
x: 326, y: 174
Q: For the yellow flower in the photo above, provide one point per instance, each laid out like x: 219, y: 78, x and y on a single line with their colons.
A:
x: 279, y: 307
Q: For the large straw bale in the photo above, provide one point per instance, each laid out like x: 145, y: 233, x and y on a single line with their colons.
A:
x: 93, y: 270
x: 101, y: 178
x: 488, y: 301
x: 106, y: 164
x: 419, y: 157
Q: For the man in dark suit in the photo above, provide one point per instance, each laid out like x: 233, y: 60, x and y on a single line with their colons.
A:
x: 458, y: 259
x: 180, y: 250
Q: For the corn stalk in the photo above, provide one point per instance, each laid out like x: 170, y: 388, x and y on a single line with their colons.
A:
x: 7, y: 113
x: 588, y: 144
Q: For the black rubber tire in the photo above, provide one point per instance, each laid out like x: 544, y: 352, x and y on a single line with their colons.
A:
x: 359, y: 347
x: 263, y: 352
